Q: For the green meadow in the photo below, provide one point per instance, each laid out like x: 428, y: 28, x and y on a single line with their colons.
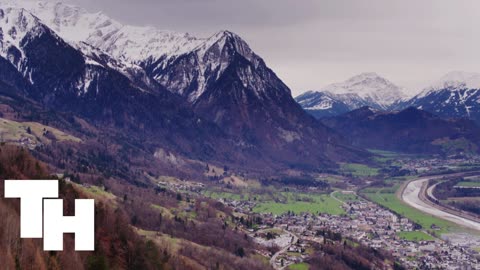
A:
x: 303, y: 203
x: 415, y: 236
x: 392, y: 202
x: 299, y: 266
x: 358, y: 170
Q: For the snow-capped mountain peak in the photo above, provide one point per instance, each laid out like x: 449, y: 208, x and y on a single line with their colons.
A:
x: 17, y: 27
x: 153, y: 49
x: 135, y: 43
x: 457, y: 94
x: 369, y: 86
x: 455, y: 80
x: 366, y: 89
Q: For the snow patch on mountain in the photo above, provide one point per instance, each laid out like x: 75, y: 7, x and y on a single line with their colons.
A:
x: 16, y: 27
x: 370, y: 87
x: 454, y: 81
x: 153, y: 49
x: 455, y: 95
x: 314, y: 102
x: 132, y: 42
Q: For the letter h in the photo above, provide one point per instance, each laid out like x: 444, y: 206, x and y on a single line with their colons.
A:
x: 33, y: 194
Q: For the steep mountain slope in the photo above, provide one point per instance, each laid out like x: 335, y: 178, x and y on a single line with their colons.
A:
x: 128, y: 235
x: 325, y: 104
x: 457, y: 94
x: 226, y: 82
x: 249, y: 116
x: 220, y: 78
x: 366, y: 89
x: 88, y: 83
x: 410, y: 130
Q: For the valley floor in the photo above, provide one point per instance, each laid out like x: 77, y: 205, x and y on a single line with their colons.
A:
x: 383, y: 218
x: 412, y: 195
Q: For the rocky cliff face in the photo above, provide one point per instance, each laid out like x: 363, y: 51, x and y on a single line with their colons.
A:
x: 194, y: 95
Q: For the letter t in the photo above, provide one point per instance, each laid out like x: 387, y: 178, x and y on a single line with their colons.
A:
x: 31, y: 194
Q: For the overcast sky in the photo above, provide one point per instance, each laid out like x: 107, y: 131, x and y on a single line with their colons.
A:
x: 312, y: 43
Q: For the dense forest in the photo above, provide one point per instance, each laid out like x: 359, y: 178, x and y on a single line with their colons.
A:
x: 119, y: 245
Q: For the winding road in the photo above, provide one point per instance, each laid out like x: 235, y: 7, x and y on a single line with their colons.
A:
x: 283, y: 250
x: 412, y: 195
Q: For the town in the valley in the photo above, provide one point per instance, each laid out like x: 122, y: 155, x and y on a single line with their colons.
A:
x: 370, y: 225
x: 287, y: 237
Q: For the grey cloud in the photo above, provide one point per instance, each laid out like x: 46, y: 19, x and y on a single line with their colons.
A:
x: 310, y: 43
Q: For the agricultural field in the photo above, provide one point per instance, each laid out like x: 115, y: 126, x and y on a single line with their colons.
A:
x: 415, y: 236
x: 388, y: 154
x: 97, y: 193
x: 392, y: 202
x: 359, y: 170
x: 469, y: 184
x: 35, y: 133
x: 346, y: 197
x: 312, y: 203
x: 279, y: 202
x: 299, y: 266
x: 383, y: 156
x: 390, y: 157
x: 331, y: 179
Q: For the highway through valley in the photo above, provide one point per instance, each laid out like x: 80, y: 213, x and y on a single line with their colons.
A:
x: 413, y: 195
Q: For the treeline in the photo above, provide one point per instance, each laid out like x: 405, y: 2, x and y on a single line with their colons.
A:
x: 297, y: 181
x: 210, y: 241
x: 199, y: 220
x: 447, y: 189
x: 117, y: 246
x: 337, y: 253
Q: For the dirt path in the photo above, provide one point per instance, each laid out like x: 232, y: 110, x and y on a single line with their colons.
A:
x: 335, y: 198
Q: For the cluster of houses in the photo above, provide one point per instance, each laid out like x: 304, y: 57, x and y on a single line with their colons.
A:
x: 371, y: 225
x: 377, y: 227
x: 181, y: 186
x: 431, y: 164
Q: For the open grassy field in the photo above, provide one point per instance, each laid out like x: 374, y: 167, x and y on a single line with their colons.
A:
x: 469, y: 184
x: 299, y: 266
x: 98, y: 193
x: 358, y: 170
x: 312, y: 203
x: 247, y: 194
x: 346, y: 197
x: 384, y: 153
x: 415, y: 236
x: 392, y: 202
x: 164, y: 211
x: 12, y: 131
x: 279, y: 202
x: 390, y: 157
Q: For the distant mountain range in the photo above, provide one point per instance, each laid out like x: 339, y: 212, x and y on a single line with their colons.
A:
x: 366, y: 89
x: 456, y: 95
x: 409, y: 131
x: 209, y: 99
x: 180, y: 97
